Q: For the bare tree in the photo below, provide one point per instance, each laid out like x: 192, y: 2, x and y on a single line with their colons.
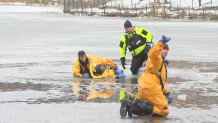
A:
x: 165, y: 1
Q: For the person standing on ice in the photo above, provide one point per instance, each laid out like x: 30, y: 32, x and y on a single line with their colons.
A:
x: 152, y: 86
x: 137, y: 40
x: 105, y: 68
x: 82, y: 63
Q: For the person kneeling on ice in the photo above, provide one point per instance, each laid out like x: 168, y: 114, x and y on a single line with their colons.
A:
x: 82, y: 63
x: 105, y: 68
x: 152, y: 86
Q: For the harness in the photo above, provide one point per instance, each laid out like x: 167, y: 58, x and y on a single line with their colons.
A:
x: 133, y: 41
x: 158, y: 73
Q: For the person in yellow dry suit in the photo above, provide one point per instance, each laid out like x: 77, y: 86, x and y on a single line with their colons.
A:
x: 137, y: 40
x: 81, y: 64
x: 105, y: 68
x: 152, y: 86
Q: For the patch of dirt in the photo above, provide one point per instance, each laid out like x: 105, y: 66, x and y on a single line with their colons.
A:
x: 202, y: 66
x: 195, y: 98
x: 216, y: 79
x: 213, y: 70
x: 176, y: 79
x: 23, y: 86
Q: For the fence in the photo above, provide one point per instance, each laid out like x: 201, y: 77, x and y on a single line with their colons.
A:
x: 113, y: 8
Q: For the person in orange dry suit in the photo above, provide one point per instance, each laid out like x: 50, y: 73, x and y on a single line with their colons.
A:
x: 105, y: 68
x: 81, y: 64
x: 152, y: 86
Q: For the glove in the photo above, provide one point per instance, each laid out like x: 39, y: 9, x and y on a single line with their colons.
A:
x: 169, y: 97
x: 118, y: 71
x: 135, y: 88
x: 86, y: 75
x: 165, y: 39
x: 123, y: 62
x: 147, y: 48
x: 121, y: 76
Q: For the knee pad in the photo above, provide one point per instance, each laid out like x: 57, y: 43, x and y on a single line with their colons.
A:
x: 147, y: 108
x: 135, y: 109
x: 140, y: 107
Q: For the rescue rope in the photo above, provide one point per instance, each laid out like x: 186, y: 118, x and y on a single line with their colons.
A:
x: 173, y: 99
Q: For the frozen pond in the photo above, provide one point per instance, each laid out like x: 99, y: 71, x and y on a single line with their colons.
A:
x: 39, y: 44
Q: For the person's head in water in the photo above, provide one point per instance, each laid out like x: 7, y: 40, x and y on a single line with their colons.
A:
x: 165, y: 50
x: 99, y: 69
x: 128, y: 26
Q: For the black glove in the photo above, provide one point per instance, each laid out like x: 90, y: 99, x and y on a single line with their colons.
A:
x: 147, y: 48
x: 123, y: 62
